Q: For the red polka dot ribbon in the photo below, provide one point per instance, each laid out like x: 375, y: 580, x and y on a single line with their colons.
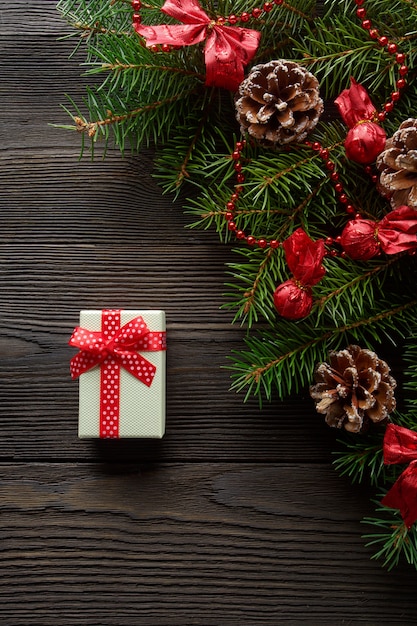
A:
x: 112, y: 348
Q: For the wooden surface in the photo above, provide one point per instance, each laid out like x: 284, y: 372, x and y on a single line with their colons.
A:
x: 236, y: 517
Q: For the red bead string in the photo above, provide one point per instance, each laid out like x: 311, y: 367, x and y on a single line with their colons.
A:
x: 392, y: 48
x: 263, y: 243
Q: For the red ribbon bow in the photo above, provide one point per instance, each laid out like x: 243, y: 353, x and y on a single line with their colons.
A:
x: 365, y: 139
x: 400, y: 446
x: 396, y: 232
x: 293, y: 299
x: 112, y: 348
x: 228, y: 48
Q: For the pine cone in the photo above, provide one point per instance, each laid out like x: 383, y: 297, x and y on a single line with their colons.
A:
x: 354, y: 389
x: 398, y: 166
x: 278, y: 103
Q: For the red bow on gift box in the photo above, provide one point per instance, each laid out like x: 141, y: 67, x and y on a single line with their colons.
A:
x: 396, y: 232
x: 400, y: 446
x: 122, y: 345
x: 293, y: 298
x: 228, y: 48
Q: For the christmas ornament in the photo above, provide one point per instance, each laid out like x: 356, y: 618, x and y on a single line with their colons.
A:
x: 400, y: 446
x: 366, y: 138
x: 278, y: 103
x: 354, y: 389
x: 227, y: 51
x: 397, y: 165
x: 363, y: 239
x: 293, y: 299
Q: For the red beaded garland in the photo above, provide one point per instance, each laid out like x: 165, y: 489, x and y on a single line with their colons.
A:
x: 392, y: 48
x: 262, y: 242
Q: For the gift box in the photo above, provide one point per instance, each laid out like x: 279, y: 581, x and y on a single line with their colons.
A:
x: 121, y: 371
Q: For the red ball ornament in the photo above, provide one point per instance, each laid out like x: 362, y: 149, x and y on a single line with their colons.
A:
x: 364, y: 142
x: 359, y: 239
x: 293, y: 301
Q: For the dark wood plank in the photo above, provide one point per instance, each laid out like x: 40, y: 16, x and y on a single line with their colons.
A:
x: 236, y: 516
x: 202, y: 544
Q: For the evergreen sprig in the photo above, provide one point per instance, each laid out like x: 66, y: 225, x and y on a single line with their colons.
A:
x: 391, y: 540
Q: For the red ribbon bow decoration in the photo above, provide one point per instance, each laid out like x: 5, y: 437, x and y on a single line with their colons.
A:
x: 365, y: 139
x: 396, y: 232
x: 293, y: 299
x: 112, y: 348
x: 400, y: 446
x: 227, y: 51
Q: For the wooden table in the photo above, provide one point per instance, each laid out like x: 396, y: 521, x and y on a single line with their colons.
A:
x: 236, y: 517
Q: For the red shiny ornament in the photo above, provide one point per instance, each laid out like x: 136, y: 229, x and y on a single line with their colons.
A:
x: 396, y: 232
x: 293, y: 298
x: 359, y: 239
x: 400, y: 446
x: 365, y: 139
x: 364, y: 142
x: 292, y: 301
x: 227, y: 50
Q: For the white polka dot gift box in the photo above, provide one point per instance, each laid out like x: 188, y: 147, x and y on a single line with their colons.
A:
x: 121, y: 371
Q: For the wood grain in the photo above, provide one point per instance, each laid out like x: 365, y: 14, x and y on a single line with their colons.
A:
x: 236, y: 517
x: 189, y: 544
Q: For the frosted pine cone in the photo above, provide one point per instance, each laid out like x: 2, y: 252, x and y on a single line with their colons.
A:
x: 278, y: 103
x: 397, y: 164
x: 354, y: 389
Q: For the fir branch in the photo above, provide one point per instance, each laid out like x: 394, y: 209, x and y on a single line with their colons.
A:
x: 362, y: 458
x: 194, y: 139
x: 119, y: 67
x: 391, y: 539
x: 89, y: 18
x: 251, y: 293
x: 92, y: 127
x: 300, y: 346
x: 410, y: 371
x: 346, y: 286
x: 258, y: 276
